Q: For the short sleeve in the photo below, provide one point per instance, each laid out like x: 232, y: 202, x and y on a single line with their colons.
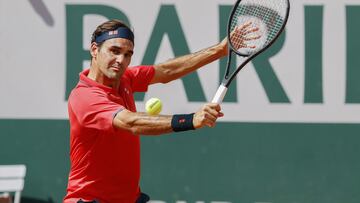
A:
x: 93, y: 109
x: 140, y: 77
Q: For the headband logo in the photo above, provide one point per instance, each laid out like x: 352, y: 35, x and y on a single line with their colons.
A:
x: 113, y: 32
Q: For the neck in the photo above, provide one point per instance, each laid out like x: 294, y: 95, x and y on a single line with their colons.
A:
x: 96, y: 75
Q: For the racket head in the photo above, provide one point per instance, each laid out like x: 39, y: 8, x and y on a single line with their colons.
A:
x: 270, y: 16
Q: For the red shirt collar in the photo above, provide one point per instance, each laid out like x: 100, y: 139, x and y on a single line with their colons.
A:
x: 92, y: 83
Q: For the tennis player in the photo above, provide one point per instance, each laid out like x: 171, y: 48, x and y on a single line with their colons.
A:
x: 104, y: 124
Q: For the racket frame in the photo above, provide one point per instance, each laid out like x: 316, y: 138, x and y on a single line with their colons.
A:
x: 228, y: 78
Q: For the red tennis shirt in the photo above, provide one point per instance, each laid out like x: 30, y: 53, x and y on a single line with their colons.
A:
x: 105, y: 161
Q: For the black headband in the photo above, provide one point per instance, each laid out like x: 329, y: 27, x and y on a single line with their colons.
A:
x: 121, y: 32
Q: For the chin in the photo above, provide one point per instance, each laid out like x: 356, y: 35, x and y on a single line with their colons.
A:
x: 114, y: 75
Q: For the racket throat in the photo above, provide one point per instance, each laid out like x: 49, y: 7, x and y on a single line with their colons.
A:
x: 220, y: 94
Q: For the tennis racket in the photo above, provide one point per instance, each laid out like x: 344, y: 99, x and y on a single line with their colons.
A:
x: 268, y: 16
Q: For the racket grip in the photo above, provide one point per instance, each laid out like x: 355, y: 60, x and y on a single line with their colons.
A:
x: 220, y: 94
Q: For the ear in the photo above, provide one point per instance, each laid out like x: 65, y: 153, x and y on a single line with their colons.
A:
x: 94, y: 50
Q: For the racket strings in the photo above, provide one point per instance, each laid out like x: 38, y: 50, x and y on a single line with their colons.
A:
x: 238, y: 40
x: 269, y: 17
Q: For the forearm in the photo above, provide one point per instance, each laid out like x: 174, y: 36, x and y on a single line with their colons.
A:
x: 142, y: 123
x: 180, y: 66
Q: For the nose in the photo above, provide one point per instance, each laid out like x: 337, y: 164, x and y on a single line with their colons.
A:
x: 120, y: 58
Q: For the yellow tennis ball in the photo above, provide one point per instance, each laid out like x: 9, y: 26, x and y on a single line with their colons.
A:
x: 153, y: 106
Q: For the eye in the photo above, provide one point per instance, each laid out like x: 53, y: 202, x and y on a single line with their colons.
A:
x: 115, y: 51
x: 128, y: 55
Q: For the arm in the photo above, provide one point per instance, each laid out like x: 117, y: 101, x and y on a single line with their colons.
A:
x: 141, y: 123
x: 178, y: 67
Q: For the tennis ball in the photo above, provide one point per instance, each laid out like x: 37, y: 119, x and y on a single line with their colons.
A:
x: 153, y: 106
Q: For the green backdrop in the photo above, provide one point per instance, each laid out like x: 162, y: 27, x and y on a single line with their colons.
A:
x: 233, y: 162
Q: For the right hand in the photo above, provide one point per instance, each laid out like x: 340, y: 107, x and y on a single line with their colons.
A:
x: 207, y: 115
x: 242, y: 35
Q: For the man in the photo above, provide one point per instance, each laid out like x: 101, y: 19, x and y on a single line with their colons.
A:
x: 105, y: 127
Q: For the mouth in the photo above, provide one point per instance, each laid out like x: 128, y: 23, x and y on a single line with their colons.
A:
x: 115, y: 69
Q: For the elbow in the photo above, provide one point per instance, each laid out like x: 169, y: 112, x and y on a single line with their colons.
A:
x: 125, y: 121
x: 134, y: 130
x: 129, y: 125
x: 166, y: 75
x: 165, y: 81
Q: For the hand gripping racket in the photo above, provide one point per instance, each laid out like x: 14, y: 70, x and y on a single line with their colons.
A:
x: 269, y: 16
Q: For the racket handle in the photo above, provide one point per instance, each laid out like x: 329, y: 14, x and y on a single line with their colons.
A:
x: 220, y: 94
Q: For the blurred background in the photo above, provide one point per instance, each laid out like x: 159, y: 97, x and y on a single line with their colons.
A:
x: 291, y: 129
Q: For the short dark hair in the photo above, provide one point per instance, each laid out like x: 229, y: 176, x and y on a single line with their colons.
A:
x: 107, y: 26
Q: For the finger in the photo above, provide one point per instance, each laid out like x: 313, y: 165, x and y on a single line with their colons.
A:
x: 252, y: 38
x: 215, y: 106
x: 245, y: 25
x: 207, y: 112
x: 247, y: 30
x: 245, y: 46
x: 213, y: 111
x: 210, y: 123
x: 211, y: 115
x: 215, y: 114
x: 221, y: 114
x: 239, y: 30
x: 251, y: 31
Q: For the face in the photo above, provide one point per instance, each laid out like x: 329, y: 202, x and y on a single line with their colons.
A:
x: 113, y: 57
